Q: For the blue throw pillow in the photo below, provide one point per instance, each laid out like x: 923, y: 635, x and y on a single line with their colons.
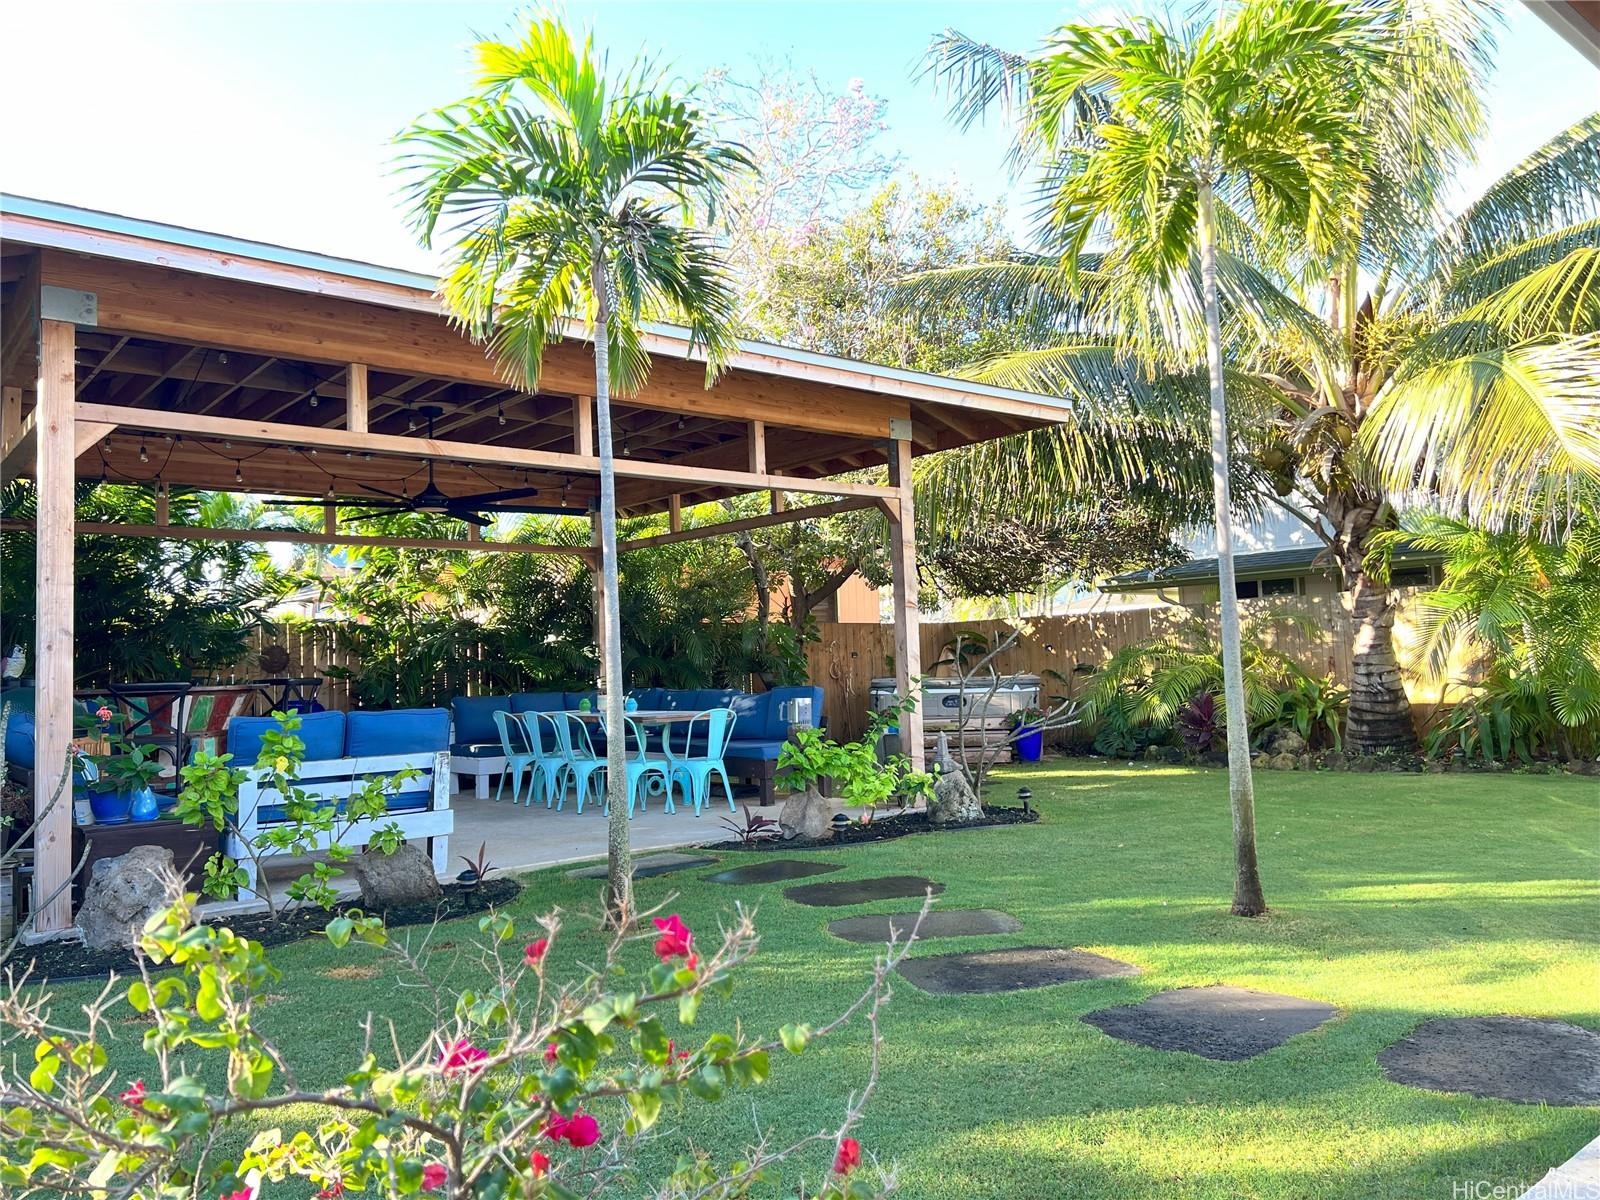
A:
x: 19, y: 740
x: 372, y: 734
x: 323, y: 734
x: 537, y: 702
x: 474, y: 717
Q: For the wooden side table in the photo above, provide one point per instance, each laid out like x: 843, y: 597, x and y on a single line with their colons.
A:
x: 190, y: 847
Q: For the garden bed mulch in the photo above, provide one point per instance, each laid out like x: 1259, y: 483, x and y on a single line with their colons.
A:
x: 64, y: 962
x: 881, y: 829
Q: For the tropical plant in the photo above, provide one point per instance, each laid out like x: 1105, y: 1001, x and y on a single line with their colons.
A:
x: 1315, y: 709
x: 523, y: 1084
x: 1199, y: 723
x: 566, y: 192
x: 1171, y: 145
x: 1473, y: 348
x: 1529, y: 609
x: 753, y: 828
x: 810, y: 759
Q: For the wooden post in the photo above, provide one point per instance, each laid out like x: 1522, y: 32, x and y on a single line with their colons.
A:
x: 53, y: 632
x: 907, y: 617
x: 355, y: 419
x: 163, y: 505
x: 330, y: 520
x: 10, y: 417
x: 674, y: 514
x: 583, y: 426
x: 758, y: 448
x: 777, y: 500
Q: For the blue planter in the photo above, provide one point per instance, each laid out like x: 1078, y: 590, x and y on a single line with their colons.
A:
x: 111, y: 808
x: 145, y: 806
x: 1030, y: 743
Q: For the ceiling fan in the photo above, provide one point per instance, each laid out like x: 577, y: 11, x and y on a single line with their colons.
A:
x: 432, y: 499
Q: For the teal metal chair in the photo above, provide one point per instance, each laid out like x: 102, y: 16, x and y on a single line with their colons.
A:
x: 582, y: 764
x: 695, y: 749
x: 642, y: 767
x: 518, y: 754
x: 550, y: 765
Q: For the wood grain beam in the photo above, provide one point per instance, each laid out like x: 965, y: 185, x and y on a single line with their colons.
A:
x: 810, y: 512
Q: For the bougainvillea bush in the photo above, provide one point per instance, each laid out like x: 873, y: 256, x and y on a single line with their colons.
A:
x: 525, y: 1086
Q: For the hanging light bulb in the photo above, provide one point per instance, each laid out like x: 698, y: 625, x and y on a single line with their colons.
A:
x: 500, y: 413
x: 315, y: 399
x: 238, y: 474
x: 144, y: 455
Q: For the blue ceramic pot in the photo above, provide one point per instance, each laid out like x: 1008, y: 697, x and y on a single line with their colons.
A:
x: 145, y: 807
x: 110, y: 808
x: 1030, y: 743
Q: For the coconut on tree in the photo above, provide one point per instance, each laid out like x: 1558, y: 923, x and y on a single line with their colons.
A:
x: 567, y: 193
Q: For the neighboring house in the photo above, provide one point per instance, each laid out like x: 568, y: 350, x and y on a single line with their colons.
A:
x: 1295, y: 571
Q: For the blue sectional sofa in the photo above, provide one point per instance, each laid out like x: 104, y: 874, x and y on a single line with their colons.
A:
x: 761, y: 725
x: 342, y: 750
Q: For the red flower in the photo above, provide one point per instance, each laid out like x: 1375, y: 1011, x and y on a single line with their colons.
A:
x: 433, y: 1176
x: 533, y: 952
x: 848, y: 1157
x: 578, y: 1130
x: 134, y: 1096
x: 550, y: 1054
x: 334, y: 1189
x: 241, y: 1194
x: 462, y: 1056
x: 675, y: 940
x: 540, y: 1162
x: 692, y: 962
x: 674, y: 1052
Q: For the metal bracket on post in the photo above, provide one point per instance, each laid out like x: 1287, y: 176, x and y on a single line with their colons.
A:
x: 68, y: 304
x: 900, y: 429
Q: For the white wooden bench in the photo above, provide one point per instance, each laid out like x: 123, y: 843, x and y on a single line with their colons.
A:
x: 333, y: 780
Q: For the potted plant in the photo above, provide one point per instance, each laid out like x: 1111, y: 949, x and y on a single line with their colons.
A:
x: 119, y: 782
x: 1028, y: 733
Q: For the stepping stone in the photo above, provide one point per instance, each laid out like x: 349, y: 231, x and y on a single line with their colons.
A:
x: 940, y: 923
x: 644, y: 868
x: 779, y: 870
x: 1228, y: 1024
x: 861, y: 891
x: 1011, y: 970
x: 1504, y: 1058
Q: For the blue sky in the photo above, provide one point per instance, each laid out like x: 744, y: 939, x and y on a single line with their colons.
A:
x: 271, y: 120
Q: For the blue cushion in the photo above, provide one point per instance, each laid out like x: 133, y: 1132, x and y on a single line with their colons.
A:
x: 777, y: 724
x: 650, y: 698
x: 477, y: 750
x: 766, y: 749
x: 323, y: 734
x: 750, y: 714
x: 535, y: 702
x: 474, y: 717
x: 19, y: 740
x: 396, y: 731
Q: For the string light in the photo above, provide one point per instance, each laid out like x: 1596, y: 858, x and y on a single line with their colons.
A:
x: 238, y: 474
x: 500, y: 413
x: 144, y: 455
x: 315, y: 399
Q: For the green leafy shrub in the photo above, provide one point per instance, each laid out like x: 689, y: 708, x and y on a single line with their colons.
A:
x: 1315, y: 709
x: 522, y: 1086
x: 810, y: 757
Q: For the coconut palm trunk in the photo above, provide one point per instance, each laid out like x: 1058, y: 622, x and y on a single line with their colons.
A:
x: 1379, y: 713
x: 1247, y: 898
x: 619, y: 856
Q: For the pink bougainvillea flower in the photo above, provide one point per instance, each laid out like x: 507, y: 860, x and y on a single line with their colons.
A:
x: 433, y: 1177
x: 540, y: 1162
x: 333, y: 1190
x: 533, y: 953
x: 580, y: 1129
x: 550, y: 1054
x: 675, y: 940
x: 462, y: 1056
x: 134, y: 1096
x: 673, y: 1051
x: 848, y: 1157
x: 692, y: 962
x: 241, y: 1194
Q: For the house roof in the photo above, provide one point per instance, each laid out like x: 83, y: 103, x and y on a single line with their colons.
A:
x: 1265, y: 564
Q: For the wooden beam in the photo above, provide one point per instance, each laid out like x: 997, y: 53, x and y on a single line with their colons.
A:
x: 163, y: 506
x: 907, y: 615
x: 416, y: 448
x: 758, y: 448
x: 583, y: 425
x: 19, y: 328
x: 18, y: 460
x: 674, y: 513
x: 330, y: 520
x: 355, y: 419
x: 53, y: 625
x: 809, y: 512
x: 91, y: 434
x: 297, y: 537
x: 10, y: 417
x: 778, y: 502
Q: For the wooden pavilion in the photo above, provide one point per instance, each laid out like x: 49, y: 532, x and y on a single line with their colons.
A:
x: 143, y: 353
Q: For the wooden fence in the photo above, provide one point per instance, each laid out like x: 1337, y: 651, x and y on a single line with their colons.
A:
x: 848, y: 656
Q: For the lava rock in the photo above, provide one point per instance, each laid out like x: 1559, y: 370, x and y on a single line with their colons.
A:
x: 395, y: 880
x: 807, y: 814
x: 125, y: 892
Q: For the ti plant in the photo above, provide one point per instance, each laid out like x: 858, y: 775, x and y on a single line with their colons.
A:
x: 311, y: 823
x: 523, y: 1084
x: 754, y: 828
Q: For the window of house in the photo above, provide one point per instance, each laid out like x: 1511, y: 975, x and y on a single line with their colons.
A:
x: 1288, y: 585
x: 1411, y: 577
x: 1246, y: 589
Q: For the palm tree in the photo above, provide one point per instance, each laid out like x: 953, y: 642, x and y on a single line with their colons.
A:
x: 1158, y: 141
x: 567, y: 194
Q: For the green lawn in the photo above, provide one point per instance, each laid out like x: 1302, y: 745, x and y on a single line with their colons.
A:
x: 1396, y: 898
